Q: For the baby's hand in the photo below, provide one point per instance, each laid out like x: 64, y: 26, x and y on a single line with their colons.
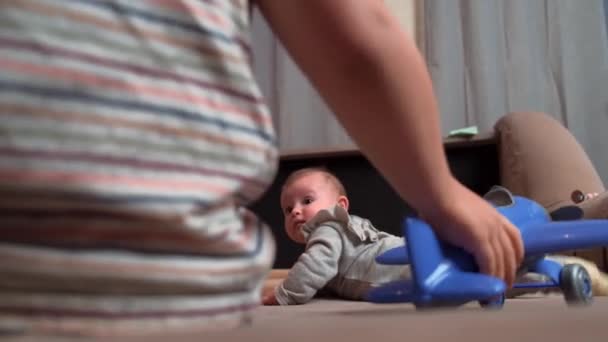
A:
x: 269, y: 299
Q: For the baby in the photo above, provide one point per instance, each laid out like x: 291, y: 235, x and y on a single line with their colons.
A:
x: 340, y: 248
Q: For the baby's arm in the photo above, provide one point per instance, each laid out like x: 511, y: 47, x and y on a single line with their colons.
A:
x: 313, y: 270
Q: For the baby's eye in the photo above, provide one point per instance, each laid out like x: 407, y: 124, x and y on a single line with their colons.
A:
x: 287, y: 210
x: 308, y: 200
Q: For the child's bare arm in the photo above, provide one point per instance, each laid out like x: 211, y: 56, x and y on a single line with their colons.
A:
x: 371, y: 74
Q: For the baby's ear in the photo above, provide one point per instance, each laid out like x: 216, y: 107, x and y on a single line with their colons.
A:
x: 343, y: 202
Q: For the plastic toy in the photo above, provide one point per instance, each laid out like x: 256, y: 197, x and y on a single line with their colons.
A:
x: 443, y: 275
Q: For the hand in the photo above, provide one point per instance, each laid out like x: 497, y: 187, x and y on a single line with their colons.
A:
x: 269, y: 299
x: 466, y: 220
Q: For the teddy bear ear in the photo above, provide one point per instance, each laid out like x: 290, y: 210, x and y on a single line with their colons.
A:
x: 567, y: 213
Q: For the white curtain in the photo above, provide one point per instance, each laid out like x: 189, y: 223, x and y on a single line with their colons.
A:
x: 303, y: 120
x: 491, y: 57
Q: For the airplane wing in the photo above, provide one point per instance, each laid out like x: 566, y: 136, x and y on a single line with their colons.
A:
x: 551, y: 237
x: 399, y: 291
x: 446, y: 284
x: 465, y: 286
x: 439, y: 272
x: 395, y: 256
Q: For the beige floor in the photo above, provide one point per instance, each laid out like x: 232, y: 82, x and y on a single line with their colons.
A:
x: 529, y: 319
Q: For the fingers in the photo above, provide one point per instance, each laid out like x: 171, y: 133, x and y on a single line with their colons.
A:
x: 511, y: 262
x: 502, y: 253
x: 499, y: 256
x: 269, y: 300
x: 514, y: 248
x: 491, y: 238
x: 517, y: 243
x: 485, y: 259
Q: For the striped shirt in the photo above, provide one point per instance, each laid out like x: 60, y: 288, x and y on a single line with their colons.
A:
x: 131, y: 133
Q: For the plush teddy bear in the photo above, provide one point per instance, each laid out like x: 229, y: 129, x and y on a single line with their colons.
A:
x: 540, y: 159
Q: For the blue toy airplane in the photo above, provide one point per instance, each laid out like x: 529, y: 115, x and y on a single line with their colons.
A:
x: 443, y: 275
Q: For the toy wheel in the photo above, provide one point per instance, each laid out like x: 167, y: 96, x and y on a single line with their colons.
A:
x: 493, y: 303
x: 576, y: 285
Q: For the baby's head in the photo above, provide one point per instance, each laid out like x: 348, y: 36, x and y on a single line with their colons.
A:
x: 305, y: 193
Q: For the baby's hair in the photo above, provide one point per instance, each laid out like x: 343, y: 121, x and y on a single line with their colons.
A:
x: 317, y: 169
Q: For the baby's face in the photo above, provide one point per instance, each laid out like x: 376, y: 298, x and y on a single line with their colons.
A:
x: 303, y: 198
